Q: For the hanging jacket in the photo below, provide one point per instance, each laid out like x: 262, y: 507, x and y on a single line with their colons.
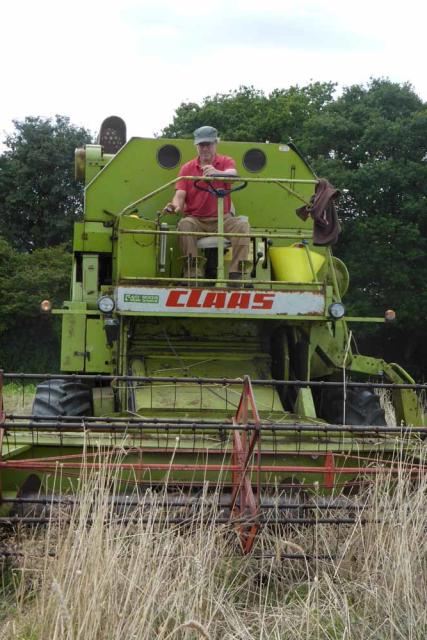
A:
x: 322, y: 209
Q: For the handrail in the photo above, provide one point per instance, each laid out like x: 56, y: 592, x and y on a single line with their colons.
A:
x: 98, y: 377
x: 220, y: 235
x: 172, y: 232
x: 279, y: 181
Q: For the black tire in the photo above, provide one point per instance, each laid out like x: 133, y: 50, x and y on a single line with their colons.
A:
x: 62, y: 398
x: 362, y: 407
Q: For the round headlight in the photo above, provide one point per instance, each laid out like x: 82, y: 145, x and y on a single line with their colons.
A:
x: 45, y: 306
x: 106, y: 304
x: 390, y: 315
x: 336, y: 310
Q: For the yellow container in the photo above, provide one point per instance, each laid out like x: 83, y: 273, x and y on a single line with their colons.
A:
x: 291, y: 264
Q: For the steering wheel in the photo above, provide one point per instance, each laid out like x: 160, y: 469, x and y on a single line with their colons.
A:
x: 219, y: 193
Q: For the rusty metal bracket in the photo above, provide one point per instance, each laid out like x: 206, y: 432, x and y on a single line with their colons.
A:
x: 244, y: 502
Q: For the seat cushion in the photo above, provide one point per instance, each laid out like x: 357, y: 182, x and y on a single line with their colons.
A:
x: 211, y: 242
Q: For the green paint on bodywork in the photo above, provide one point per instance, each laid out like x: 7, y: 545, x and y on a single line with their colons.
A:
x: 73, y: 346
x: 304, y: 404
x: 136, y: 255
x: 118, y: 244
x: 135, y: 171
x: 92, y: 237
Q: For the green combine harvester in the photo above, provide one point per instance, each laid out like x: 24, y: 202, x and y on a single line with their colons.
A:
x: 248, y: 385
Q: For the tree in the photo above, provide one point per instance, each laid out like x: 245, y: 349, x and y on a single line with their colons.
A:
x: 29, y: 341
x: 39, y: 198
x: 247, y: 114
x: 372, y: 143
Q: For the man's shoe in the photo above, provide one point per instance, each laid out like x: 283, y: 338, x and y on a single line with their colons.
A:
x: 192, y: 267
x: 235, y: 275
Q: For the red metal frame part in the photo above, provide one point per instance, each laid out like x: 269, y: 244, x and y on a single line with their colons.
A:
x: 244, y: 502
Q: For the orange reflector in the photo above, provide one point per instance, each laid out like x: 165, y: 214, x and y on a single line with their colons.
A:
x: 390, y: 315
x: 45, y: 306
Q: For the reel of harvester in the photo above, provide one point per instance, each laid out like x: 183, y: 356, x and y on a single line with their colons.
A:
x: 245, y: 472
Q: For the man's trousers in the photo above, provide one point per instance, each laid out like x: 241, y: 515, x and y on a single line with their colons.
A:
x: 232, y: 224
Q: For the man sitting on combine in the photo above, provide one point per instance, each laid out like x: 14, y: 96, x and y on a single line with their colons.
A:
x: 200, y: 207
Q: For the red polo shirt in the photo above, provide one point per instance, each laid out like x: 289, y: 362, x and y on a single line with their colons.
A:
x: 200, y: 203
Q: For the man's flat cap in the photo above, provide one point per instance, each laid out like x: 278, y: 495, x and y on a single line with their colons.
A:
x: 205, y: 134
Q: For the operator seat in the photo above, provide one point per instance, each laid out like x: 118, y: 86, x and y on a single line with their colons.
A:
x: 209, y: 246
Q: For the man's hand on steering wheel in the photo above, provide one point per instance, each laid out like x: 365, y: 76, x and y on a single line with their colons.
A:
x: 209, y: 170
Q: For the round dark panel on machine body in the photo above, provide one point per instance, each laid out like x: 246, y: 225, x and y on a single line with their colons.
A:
x: 168, y: 156
x: 254, y: 160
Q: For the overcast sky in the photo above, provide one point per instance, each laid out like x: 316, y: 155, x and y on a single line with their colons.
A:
x: 141, y: 59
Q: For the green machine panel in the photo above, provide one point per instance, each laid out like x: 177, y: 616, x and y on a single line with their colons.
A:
x: 136, y: 170
x: 73, y: 342
x: 136, y: 255
x: 90, y: 268
x: 93, y: 237
x: 99, y: 354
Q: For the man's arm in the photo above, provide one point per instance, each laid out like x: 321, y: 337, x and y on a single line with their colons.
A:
x: 210, y: 170
x: 178, y: 202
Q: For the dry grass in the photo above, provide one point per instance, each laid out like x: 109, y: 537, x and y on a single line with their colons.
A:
x: 18, y: 398
x: 143, y: 580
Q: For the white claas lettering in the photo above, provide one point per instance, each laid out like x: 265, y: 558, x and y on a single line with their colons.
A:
x: 197, y: 299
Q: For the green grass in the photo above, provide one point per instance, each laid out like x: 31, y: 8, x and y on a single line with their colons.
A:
x: 18, y: 398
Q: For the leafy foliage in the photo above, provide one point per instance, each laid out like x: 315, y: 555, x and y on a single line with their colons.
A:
x: 40, y: 199
x: 247, y: 114
x: 371, y: 142
x: 28, y: 340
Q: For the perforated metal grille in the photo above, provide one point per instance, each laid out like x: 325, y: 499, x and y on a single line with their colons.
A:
x: 111, y: 140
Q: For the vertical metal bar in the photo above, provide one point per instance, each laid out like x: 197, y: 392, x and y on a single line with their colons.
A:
x: 310, y: 261
x: 220, y: 267
x: 333, y: 275
x: 293, y: 173
x: 241, y: 456
x: 329, y: 470
x: 335, y: 286
x: 163, y: 247
x: 140, y: 472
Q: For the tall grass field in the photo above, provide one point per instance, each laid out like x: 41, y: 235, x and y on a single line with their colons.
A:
x: 100, y: 575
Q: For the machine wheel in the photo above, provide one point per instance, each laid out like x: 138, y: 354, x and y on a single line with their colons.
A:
x: 62, y: 398
x: 362, y: 407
